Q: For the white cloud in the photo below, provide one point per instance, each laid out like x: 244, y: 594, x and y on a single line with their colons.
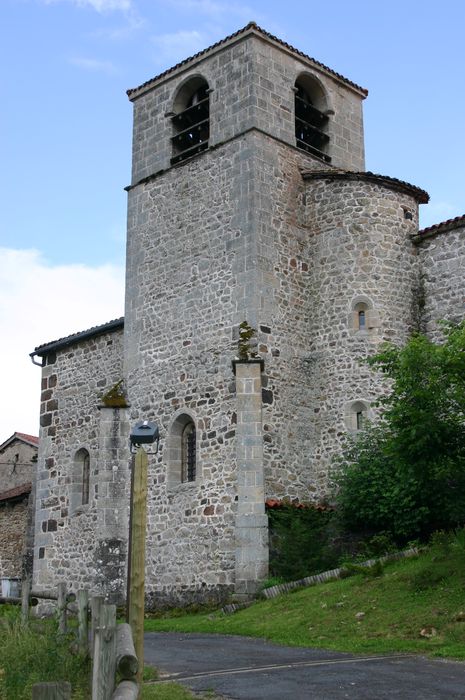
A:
x: 40, y: 302
x: 178, y: 45
x: 94, y: 65
x: 101, y: 6
x: 214, y: 8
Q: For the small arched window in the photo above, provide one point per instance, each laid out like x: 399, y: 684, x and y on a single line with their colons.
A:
x: 356, y: 415
x: 311, y: 117
x: 191, y: 120
x: 85, y: 478
x: 181, y: 451
x: 363, y: 317
x: 80, y: 483
x: 188, y: 448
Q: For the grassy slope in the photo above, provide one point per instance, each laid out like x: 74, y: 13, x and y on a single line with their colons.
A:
x: 413, y: 594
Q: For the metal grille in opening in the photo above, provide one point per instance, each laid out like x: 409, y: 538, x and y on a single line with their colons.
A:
x: 188, y: 452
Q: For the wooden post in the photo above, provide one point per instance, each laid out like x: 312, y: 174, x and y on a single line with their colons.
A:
x: 62, y: 628
x: 104, y: 661
x: 96, y: 604
x: 83, y: 627
x: 136, y: 586
x: 25, y: 593
x: 51, y: 691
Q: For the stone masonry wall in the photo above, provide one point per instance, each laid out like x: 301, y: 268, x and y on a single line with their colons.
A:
x: 442, y: 260
x: 72, y: 541
x: 17, y: 464
x: 189, y: 283
x: 13, y: 528
x: 359, y: 247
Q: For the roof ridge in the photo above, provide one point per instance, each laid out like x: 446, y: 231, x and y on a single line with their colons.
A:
x: 248, y: 27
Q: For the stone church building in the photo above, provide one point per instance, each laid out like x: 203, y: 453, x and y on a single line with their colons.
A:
x: 249, y: 202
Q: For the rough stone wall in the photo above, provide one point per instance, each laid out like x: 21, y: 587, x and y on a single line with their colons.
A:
x: 359, y: 247
x: 16, y: 464
x: 72, y: 541
x: 442, y: 260
x: 188, y: 277
x: 252, y: 85
x: 13, y: 529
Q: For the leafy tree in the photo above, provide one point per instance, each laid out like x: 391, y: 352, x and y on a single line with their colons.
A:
x: 406, y: 475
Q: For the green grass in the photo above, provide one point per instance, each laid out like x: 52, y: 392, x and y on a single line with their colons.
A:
x: 35, y: 654
x: 410, y: 595
x: 172, y: 691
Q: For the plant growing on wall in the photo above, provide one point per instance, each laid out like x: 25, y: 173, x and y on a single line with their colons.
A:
x: 246, y: 342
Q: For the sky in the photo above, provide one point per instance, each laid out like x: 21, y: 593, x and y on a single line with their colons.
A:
x: 65, y: 137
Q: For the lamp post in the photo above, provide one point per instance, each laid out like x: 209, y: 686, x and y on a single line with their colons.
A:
x: 143, y: 433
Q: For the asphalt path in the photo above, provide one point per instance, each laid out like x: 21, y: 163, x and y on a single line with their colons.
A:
x: 241, y: 668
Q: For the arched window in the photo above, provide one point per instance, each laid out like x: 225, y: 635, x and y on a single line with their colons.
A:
x: 181, y: 451
x: 85, y: 478
x: 311, y: 117
x: 356, y: 415
x: 80, y: 482
x: 188, y: 448
x: 191, y: 120
x: 363, y: 318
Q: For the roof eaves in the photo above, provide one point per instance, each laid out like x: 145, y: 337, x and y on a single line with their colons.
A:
x: 61, y: 343
x: 16, y: 493
x: 250, y: 28
x: 420, y: 195
x: 442, y: 227
x: 29, y: 439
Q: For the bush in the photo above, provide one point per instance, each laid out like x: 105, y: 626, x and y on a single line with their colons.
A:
x: 406, y: 475
x: 301, y: 541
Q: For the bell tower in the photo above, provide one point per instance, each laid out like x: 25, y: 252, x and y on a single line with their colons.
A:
x: 216, y: 237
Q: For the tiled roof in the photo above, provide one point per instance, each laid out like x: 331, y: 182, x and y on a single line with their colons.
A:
x: 250, y: 28
x: 16, y: 492
x: 393, y: 183
x: 278, y: 503
x: 30, y: 439
x: 44, y: 349
x: 442, y: 227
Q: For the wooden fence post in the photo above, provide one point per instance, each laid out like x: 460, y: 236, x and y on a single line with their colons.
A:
x: 51, y: 691
x: 83, y: 627
x: 137, y: 564
x: 62, y: 608
x: 96, y: 604
x: 25, y: 593
x: 104, y: 661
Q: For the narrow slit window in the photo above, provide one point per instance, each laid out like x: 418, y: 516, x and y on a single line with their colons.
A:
x: 361, y: 320
x: 85, y: 479
x: 188, y: 448
x: 360, y: 419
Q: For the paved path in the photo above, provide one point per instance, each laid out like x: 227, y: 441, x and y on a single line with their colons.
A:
x: 240, y: 668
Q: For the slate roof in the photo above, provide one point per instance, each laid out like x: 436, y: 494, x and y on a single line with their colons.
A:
x: 61, y: 343
x: 393, y: 183
x: 16, y: 493
x: 442, y: 227
x: 250, y: 28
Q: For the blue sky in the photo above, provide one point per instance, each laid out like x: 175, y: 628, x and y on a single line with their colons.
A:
x: 66, y: 132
